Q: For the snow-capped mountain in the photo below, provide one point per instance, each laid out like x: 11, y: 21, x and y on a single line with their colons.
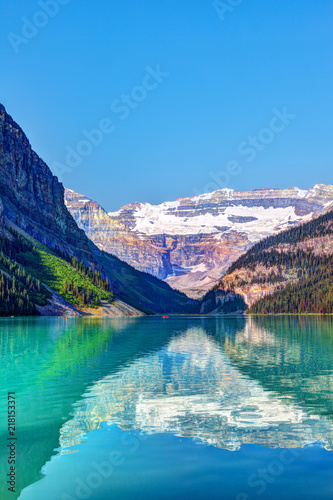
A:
x: 192, y: 241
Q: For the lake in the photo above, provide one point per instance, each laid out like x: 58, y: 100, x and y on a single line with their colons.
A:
x: 186, y: 407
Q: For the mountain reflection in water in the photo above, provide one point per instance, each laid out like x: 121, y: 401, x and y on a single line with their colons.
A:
x: 226, y: 381
x: 198, y: 386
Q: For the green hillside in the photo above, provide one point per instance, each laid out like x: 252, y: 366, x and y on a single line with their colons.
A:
x: 25, y: 264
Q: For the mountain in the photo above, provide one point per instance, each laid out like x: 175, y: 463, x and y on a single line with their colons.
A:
x: 291, y: 272
x: 41, y: 243
x: 31, y: 197
x: 36, y: 280
x: 190, y: 243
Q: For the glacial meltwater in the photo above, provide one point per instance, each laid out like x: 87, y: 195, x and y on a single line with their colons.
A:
x: 187, y: 407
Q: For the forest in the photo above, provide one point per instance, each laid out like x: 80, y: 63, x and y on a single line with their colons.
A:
x: 305, y: 276
x: 25, y: 264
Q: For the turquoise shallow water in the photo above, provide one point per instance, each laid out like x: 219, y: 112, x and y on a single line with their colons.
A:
x: 189, y: 407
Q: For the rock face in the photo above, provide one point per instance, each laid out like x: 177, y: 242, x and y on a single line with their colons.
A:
x: 32, y: 200
x: 290, y: 272
x: 191, y: 242
x: 31, y: 197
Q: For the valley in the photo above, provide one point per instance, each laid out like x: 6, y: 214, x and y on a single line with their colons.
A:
x: 221, y: 252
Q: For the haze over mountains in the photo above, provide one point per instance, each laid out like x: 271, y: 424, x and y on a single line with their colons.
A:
x: 191, y: 242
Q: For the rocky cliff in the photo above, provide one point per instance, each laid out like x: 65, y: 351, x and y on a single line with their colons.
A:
x: 31, y: 197
x: 191, y: 242
x: 32, y: 200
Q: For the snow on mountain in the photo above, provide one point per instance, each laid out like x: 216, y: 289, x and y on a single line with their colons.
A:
x: 190, y: 242
x: 255, y: 222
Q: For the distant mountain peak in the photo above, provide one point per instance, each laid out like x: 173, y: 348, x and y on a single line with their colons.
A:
x: 190, y: 242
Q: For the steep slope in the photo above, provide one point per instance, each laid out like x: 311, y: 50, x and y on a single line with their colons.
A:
x: 32, y: 197
x: 32, y: 200
x: 31, y: 274
x: 142, y: 290
x: 291, y: 272
x: 191, y: 242
x: 89, y: 215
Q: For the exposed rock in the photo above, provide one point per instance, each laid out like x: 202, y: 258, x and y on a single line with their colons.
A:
x: 116, y: 309
x: 191, y: 242
x: 294, y: 266
x: 32, y: 200
x: 32, y: 197
x: 58, y: 306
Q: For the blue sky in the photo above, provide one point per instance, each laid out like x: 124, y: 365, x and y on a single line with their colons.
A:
x: 68, y: 67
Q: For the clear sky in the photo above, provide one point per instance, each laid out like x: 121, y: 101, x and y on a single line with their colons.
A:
x: 187, y: 95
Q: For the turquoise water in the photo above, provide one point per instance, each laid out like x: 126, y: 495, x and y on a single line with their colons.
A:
x: 188, y: 407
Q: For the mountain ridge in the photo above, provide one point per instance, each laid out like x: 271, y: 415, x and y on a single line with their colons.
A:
x: 32, y: 201
x: 32, y: 198
x: 192, y: 241
x: 290, y: 272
